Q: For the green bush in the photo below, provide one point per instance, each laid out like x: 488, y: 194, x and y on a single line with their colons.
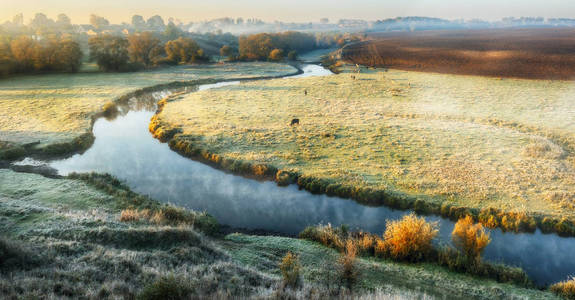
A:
x: 167, y: 288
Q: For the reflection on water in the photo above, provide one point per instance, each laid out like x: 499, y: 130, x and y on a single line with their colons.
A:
x: 125, y: 149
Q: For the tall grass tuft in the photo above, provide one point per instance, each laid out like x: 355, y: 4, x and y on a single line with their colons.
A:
x: 167, y: 288
x: 471, y: 239
x: 347, y: 262
x: 410, y: 238
x: 290, y: 268
x: 565, y: 289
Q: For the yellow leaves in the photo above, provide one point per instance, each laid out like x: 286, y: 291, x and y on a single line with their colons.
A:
x: 470, y: 238
x: 409, y: 238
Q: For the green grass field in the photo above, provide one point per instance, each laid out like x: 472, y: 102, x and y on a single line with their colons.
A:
x: 466, y: 141
x: 58, y: 108
x: 64, y: 238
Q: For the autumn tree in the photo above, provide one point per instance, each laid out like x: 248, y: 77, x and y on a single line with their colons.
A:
x: 184, y: 50
x: 142, y: 48
x: 276, y: 55
x: 470, y: 238
x: 69, y: 56
x: 227, y: 51
x: 23, y: 51
x: 7, y: 63
x: 110, y: 52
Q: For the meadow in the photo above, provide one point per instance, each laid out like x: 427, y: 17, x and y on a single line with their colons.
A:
x: 538, y: 53
x: 498, y: 149
x: 39, y: 111
x: 79, y: 237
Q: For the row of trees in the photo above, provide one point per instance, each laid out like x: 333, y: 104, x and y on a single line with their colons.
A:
x: 25, y: 54
x: 267, y: 46
x: 117, y: 53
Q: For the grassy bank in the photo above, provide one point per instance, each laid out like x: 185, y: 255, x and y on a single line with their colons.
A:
x: 53, y: 114
x: 74, y: 238
x: 499, y: 150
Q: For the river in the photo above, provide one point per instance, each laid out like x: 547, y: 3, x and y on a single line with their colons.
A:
x: 124, y: 148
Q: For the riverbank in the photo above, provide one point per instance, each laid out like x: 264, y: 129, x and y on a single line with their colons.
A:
x: 52, y: 115
x: 434, y: 143
x: 103, y: 253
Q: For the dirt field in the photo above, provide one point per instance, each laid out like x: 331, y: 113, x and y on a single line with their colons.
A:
x: 523, y: 53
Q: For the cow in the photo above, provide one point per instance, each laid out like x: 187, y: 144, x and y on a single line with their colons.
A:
x: 294, y: 122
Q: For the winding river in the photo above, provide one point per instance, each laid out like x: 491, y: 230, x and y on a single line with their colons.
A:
x: 125, y: 149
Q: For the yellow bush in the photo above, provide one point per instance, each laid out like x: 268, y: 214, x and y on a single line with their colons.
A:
x: 365, y: 242
x: 409, y: 238
x: 470, y: 238
x: 565, y: 289
x: 379, y: 248
x: 290, y: 268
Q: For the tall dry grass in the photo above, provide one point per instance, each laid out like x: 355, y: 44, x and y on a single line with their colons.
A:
x: 290, y: 268
x: 565, y: 289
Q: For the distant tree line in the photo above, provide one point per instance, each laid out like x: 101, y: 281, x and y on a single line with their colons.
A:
x: 142, y: 50
x: 275, y: 46
x: 25, y: 54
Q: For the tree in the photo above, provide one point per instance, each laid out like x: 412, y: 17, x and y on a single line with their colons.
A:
x: 18, y: 19
x: 172, y: 32
x: 69, y: 56
x: 184, y: 50
x: 226, y: 51
x: 98, y: 22
x: 470, y: 238
x: 7, y: 63
x: 63, y: 20
x: 156, y: 22
x: 276, y: 55
x: 110, y: 52
x: 142, y: 47
x: 292, y: 55
x: 138, y: 22
x: 23, y: 52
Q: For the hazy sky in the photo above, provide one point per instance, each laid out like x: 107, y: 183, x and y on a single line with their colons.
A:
x: 292, y: 10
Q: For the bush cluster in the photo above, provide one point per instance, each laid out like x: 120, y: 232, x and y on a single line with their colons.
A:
x: 565, y: 289
x: 411, y: 239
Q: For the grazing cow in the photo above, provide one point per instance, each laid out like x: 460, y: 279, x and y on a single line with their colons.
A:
x: 294, y: 122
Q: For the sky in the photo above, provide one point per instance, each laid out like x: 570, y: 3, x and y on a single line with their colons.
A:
x: 118, y: 11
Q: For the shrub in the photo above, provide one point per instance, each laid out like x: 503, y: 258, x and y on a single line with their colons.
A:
x: 347, y: 262
x: 167, y: 288
x: 565, y: 289
x: 409, y: 238
x: 14, y: 256
x: 379, y: 249
x: 110, y: 110
x: 365, y: 243
x: 470, y: 238
x: 276, y: 55
x: 290, y: 268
